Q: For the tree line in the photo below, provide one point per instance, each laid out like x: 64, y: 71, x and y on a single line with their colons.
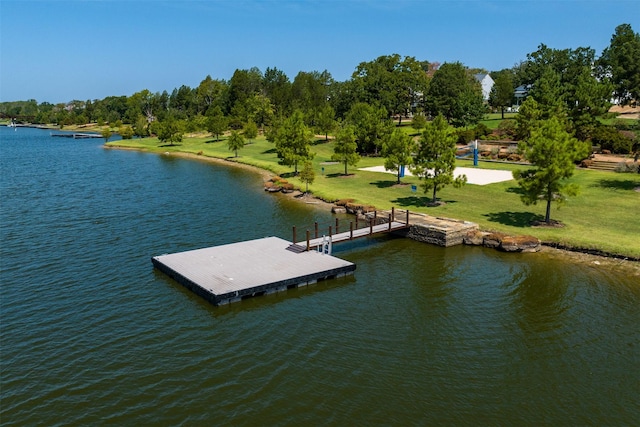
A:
x: 566, y: 92
x: 573, y: 84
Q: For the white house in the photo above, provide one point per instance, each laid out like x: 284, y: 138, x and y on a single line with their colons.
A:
x: 487, y: 84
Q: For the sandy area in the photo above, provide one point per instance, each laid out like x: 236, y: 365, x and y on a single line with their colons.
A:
x: 474, y: 176
x: 626, y: 112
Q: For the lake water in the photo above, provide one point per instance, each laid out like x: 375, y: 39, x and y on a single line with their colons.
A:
x: 91, y: 334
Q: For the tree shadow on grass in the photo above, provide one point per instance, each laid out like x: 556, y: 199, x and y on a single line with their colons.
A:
x: 384, y: 184
x: 270, y: 151
x: 615, y: 184
x: 515, y: 190
x: 340, y: 175
x: 417, y: 201
x: 514, y: 219
x: 170, y: 145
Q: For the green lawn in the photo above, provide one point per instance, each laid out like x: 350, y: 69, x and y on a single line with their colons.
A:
x: 603, y: 216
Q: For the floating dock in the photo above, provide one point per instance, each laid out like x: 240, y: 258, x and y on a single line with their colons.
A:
x: 76, y: 135
x: 229, y: 273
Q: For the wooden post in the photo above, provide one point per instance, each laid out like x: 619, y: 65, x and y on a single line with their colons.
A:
x: 393, y: 213
x: 390, y: 217
x: 370, y: 227
x: 330, y: 233
x: 407, y: 217
x: 351, y: 230
x: 294, y: 234
x: 308, y: 233
x: 375, y: 216
x: 337, y: 226
x: 316, y: 226
x: 356, y: 221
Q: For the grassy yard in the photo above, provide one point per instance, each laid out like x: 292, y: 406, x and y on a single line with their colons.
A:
x: 604, y: 216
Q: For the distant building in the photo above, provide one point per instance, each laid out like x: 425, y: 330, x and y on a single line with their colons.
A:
x: 521, y: 93
x: 487, y: 84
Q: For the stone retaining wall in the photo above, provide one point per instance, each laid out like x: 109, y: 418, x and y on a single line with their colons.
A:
x: 441, y: 234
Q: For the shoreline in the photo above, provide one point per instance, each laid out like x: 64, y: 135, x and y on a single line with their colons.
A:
x: 584, y: 255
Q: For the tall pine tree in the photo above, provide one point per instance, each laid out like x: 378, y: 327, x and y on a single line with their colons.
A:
x: 435, y: 159
x: 553, y: 151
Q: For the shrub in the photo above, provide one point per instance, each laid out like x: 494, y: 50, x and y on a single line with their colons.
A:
x: 627, y: 167
x: 506, y: 130
x: 465, y: 136
x: 481, y: 130
x: 610, y: 139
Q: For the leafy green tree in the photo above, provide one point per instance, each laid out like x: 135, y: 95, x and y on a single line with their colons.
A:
x: 469, y: 108
x: 397, y: 151
x: 272, y: 132
x: 545, y: 101
x: 342, y: 97
x: 259, y: 109
x: 553, y: 151
x: 451, y: 93
x: 250, y: 130
x: 277, y: 88
x: 182, y: 102
x: 242, y: 85
x: 307, y: 174
x: 325, y: 120
x: 621, y: 63
x: 126, y: 132
x: 235, y: 142
x: 529, y: 115
x: 141, y: 127
x: 590, y: 100
x: 345, y: 149
x: 502, y: 93
x: 548, y: 92
x: 210, y: 92
x: 371, y: 126
x: 106, y: 134
x: 565, y: 83
x: 310, y: 91
x: 140, y: 103
x: 293, y: 141
x: 216, y: 122
x: 169, y: 131
x: 435, y: 159
x: 419, y: 121
x: 391, y: 82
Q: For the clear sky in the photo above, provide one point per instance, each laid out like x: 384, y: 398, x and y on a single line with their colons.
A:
x: 58, y: 50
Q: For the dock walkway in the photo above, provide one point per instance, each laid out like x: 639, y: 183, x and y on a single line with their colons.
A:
x: 350, y: 235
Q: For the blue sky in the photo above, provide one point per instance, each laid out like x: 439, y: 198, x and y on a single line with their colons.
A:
x: 58, y: 51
